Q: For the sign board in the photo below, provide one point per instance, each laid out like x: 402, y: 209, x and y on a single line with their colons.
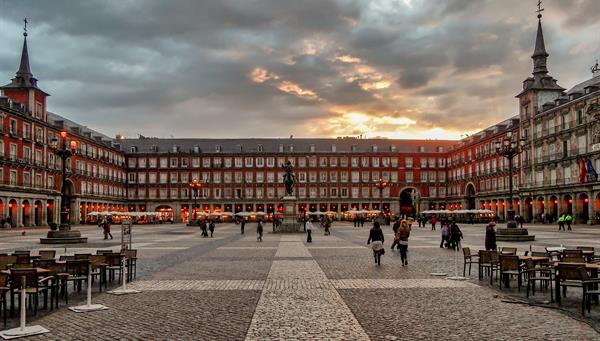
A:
x: 125, y: 233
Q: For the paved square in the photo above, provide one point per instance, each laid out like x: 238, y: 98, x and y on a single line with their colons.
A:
x: 232, y: 287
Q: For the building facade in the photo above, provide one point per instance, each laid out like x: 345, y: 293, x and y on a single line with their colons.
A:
x: 554, y: 174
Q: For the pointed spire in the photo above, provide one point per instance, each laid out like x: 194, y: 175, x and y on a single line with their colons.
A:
x: 540, y: 55
x: 24, y: 69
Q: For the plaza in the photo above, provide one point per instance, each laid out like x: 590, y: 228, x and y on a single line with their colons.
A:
x: 232, y: 287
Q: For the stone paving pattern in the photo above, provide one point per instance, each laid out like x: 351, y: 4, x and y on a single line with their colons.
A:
x: 231, y: 287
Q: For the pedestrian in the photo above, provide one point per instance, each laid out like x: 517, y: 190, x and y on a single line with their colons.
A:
x: 490, y: 237
x: 107, y: 229
x: 403, y: 234
x: 362, y: 221
x: 376, y: 236
x: 243, y: 225
x: 203, y: 228
x: 259, y: 231
x: 568, y: 221
x: 444, y: 233
x: 433, y: 221
x: 211, y: 228
x: 521, y: 221
x: 455, y: 236
x: 355, y: 221
x: 309, y: 231
x: 561, y: 222
x: 395, y: 228
x: 327, y: 227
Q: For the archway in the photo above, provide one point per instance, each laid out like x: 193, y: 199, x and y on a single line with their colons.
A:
x: 50, y: 212
x: 470, y: 196
x: 2, y: 212
x: 165, y: 212
x: 541, y: 209
x: 408, y: 201
x: 37, y: 214
x: 12, y: 212
x: 528, y: 209
x: 583, y: 208
x: 597, y: 208
x: 553, y: 209
x: 26, y: 213
x: 568, y: 204
x: 501, y: 209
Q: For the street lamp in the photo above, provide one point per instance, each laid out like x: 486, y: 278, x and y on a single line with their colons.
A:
x: 509, y: 147
x: 64, y: 153
x: 381, y: 185
x: 195, y: 185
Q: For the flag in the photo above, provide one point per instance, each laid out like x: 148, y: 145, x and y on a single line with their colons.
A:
x: 590, y: 169
x: 582, y: 170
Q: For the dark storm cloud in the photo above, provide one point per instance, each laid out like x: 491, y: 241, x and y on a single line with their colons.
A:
x: 185, y: 67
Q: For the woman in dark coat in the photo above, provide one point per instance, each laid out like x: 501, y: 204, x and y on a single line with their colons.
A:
x: 490, y: 237
x: 376, y: 236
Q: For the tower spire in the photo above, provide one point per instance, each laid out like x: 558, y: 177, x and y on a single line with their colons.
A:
x: 540, y: 55
x: 24, y: 68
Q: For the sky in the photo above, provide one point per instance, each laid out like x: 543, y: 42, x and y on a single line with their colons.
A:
x: 427, y: 69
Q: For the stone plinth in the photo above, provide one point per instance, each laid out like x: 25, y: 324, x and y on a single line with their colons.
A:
x: 290, y: 222
x: 63, y: 237
x: 513, y: 235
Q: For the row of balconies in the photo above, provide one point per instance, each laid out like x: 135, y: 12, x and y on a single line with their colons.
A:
x: 547, y: 132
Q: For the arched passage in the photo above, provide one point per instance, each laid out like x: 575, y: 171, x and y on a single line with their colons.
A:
x: 583, y: 208
x: 540, y: 207
x: 165, y: 212
x: 597, y: 208
x: 37, y: 214
x: 50, y: 212
x: 553, y: 209
x: 12, y: 212
x: 470, y: 196
x: 26, y: 213
x: 568, y: 204
x: 528, y: 209
x: 408, y: 201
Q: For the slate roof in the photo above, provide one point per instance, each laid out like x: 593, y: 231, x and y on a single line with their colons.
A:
x: 271, y: 145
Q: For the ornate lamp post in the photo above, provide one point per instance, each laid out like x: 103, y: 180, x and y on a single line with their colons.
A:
x: 64, y: 154
x: 195, y: 185
x: 509, y: 147
x: 381, y: 185
x: 64, y: 234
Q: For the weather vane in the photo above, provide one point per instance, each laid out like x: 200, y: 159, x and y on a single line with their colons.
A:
x: 595, y: 68
x: 25, y: 27
x: 540, y: 9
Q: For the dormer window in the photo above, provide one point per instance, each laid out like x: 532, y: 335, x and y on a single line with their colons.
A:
x: 393, y: 148
x: 291, y: 147
x: 261, y: 148
x: 333, y: 148
x: 421, y: 149
x: 175, y: 149
x: 281, y: 148
x: 133, y: 149
x: 196, y: 149
x: 353, y: 148
x: 240, y: 148
x: 154, y: 148
x: 440, y: 149
x: 218, y: 148
x: 374, y: 148
x: 312, y: 148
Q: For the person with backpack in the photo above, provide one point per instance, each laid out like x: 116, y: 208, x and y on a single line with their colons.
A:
x: 403, y: 234
x: 211, y: 227
x: 568, y: 221
x: 376, y: 236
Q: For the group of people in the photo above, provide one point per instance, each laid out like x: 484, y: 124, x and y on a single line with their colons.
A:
x: 451, y: 235
x: 359, y: 221
x: 204, y: 227
x: 401, y: 234
x: 565, y: 219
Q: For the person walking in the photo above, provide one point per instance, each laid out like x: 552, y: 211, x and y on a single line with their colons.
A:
x: 211, y: 228
x: 568, y: 221
x: 106, y: 227
x: 309, y: 228
x: 203, y: 228
x: 243, y: 225
x: 259, y: 231
x: 455, y: 236
x: 433, y: 221
x: 490, y: 237
x: 444, y: 233
x: 561, y: 222
x: 395, y: 228
x: 403, y: 234
x: 376, y: 236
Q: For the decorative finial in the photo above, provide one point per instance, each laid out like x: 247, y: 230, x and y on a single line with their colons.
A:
x: 25, y: 27
x: 595, y: 69
x: 540, y: 9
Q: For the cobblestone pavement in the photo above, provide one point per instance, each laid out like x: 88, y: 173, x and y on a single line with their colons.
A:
x: 231, y: 287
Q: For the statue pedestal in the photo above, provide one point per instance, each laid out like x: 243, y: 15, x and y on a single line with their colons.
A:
x: 290, y: 222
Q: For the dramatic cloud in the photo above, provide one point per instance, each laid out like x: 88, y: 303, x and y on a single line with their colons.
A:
x: 241, y: 68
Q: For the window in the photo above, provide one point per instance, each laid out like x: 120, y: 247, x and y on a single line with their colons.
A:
x: 409, y: 177
x: 13, y: 178
x: 365, y: 161
x: 133, y: 149
x: 260, y: 148
x: 312, y: 148
x: 238, y: 162
x: 249, y: 161
x: 152, y: 162
x: 184, y: 162
x: 270, y: 162
x: 206, y: 162
x: 260, y: 162
x: 408, y: 162
x: 228, y: 162
x: 26, y: 131
x: 13, y: 127
x: 174, y: 162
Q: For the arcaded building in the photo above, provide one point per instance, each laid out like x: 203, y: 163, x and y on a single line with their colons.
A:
x: 555, y: 173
